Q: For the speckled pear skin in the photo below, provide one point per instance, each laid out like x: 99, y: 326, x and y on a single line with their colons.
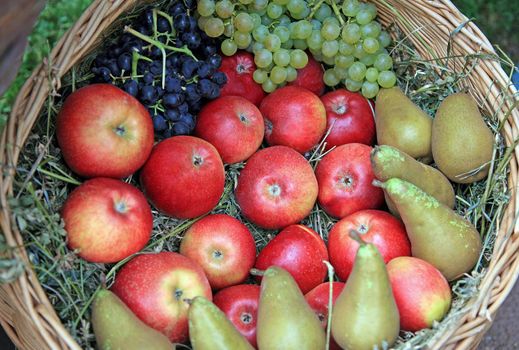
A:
x: 402, y: 124
x: 438, y: 235
x: 285, y: 320
x: 365, y: 315
x: 209, y: 329
x: 389, y: 162
x: 462, y: 143
x: 117, y: 328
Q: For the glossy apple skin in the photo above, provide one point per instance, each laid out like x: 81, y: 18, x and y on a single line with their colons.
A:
x: 223, y: 246
x: 421, y: 292
x: 155, y: 287
x: 310, y: 77
x: 276, y: 188
x: 350, y: 117
x: 107, y: 220
x: 318, y: 299
x: 382, y: 229
x: 104, y: 132
x: 233, y: 125
x: 294, y: 117
x: 184, y: 177
x: 240, y: 305
x: 299, y: 250
x: 239, y: 69
x: 345, y: 181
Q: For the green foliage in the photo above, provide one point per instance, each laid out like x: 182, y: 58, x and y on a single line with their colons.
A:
x: 57, y: 17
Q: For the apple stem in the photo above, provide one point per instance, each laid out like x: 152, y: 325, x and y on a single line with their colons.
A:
x: 256, y: 272
x: 378, y: 183
x: 355, y: 235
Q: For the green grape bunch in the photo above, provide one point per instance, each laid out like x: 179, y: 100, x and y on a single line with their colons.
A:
x: 342, y: 34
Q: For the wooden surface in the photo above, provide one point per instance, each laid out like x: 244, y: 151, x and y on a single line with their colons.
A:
x: 17, y: 18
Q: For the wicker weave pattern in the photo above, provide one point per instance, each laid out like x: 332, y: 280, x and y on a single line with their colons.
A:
x: 25, y: 311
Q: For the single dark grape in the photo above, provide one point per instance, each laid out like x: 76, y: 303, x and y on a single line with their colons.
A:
x: 219, y: 78
x: 173, y: 100
x: 163, y: 25
x: 192, y: 94
x: 173, y: 60
x: 204, y: 87
x: 215, y: 61
x: 188, y: 68
x: 131, y: 87
x: 156, y: 67
x: 159, y: 123
x: 180, y: 129
x: 177, y: 9
x: 148, y: 78
x: 215, y: 92
x: 181, y: 22
x: 209, y: 50
x: 193, y: 23
x: 188, y: 119
x: 183, y: 108
x: 154, y: 52
x: 173, y: 84
x: 125, y: 62
x: 114, y: 68
x: 191, y: 39
x: 172, y: 114
x: 148, y: 95
x: 205, y: 70
x: 103, y: 74
x: 148, y: 18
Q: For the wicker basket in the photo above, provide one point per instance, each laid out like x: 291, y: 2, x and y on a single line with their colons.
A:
x: 25, y: 311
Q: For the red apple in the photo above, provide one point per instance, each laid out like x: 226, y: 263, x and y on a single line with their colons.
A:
x: 310, y: 77
x: 156, y: 287
x: 299, y: 250
x: 223, y: 246
x: 107, y: 220
x: 240, y: 305
x: 421, y: 292
x: 294, y: 117
x: 318, y: 299
x: 239, y: 69
x: 104, y: 132
x: 382, y: 229
x: 233, y: 125
x: 184, y: 177
x: 276, y: 188
x: 345, y: 181
x: 350, y: 118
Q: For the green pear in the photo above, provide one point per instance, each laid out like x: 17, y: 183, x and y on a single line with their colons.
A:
x: 209, y: 328
x: 117, y: 328
x: 462, y: 144
x: 388, y: 162
x: 438, y: 235
x: 365, y: 315
x: 402, y: 124
x: 285, y: 320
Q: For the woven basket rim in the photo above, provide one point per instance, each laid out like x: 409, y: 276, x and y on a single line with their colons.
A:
x: 25, y: 310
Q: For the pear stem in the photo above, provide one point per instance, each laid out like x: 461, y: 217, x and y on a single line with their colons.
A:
x: 256, y: 272
x: 355, y: 235
x: 378, y: 183
x: 330, y: 304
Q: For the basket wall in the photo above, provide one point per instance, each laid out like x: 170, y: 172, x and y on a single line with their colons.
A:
x: 25, y: 311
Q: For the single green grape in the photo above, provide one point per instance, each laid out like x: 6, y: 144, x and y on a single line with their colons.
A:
x: 259, y: 5
x: 384, y: 39
x: 298, y: 59
x: 323, y: 12
x: 283, y: 33
x: 330, y: 48
x: 263, y: 58
x: 266, y: 20
x: 345, y: 48
x: 328, y: 60
x: 272, y: 42
x: 260, y: 76
x: 369, y: 89
x: 302, y: 14
x: 315, y: 41
x: 357, y: 71
x: 228, y: 30
x: 350, y: 8
x: 341, y: 73
x: 274, y: 11
x: 351, y: 33
x: 257, y: 46
x: 291, y: 74
x: 256, y: 19
x: 370, y: 30
x: 383, y: 62
x: 260, y: 33
x: 300, y: 44
x: 330, y: 78
x: 206, y: 7
x: 224, y: 8
x: 387, y: 79
x: 305, y: 29
x: 371, y: 8
x: 316, y: 25
x: 214, y: 27
x: 332, y: 19
x: 284, y: 20
x: 268, y: 86
x: 243, y: 40
x: 243, y: 22
x: 282, y: 57
x: 358, y: 51
x: 296, y: 6
x: 364, y: 17
x: 344, y: 61
x: 330, y: 31
x: 368, y: 59
x: 278, y: 74
x: 228, y: 47
x: 353, y: 85
x: 370, y: 45
x: 372, y: 74
x: 288, y: 44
